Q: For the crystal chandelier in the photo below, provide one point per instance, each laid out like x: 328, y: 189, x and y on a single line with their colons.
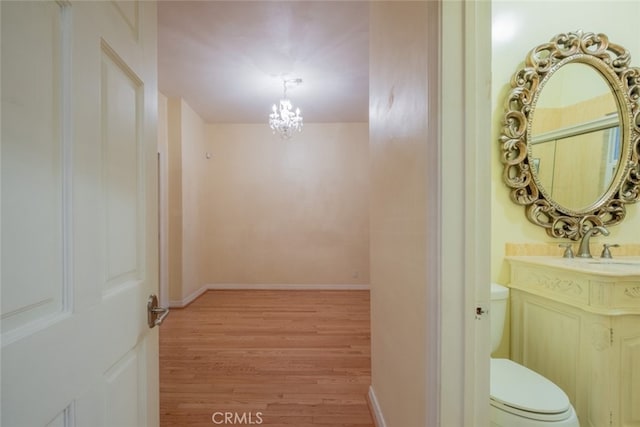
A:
x: 283, y: 120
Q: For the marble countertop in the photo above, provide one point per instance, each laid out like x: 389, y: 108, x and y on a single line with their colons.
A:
x: 623, y: 266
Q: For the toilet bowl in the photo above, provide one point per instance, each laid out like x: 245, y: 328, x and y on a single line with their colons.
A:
x: 520, y: 397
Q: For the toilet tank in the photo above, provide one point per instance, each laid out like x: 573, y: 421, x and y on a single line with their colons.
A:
x: 497, y: 312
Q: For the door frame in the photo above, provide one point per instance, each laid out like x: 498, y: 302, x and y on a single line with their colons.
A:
x: 460, y: 165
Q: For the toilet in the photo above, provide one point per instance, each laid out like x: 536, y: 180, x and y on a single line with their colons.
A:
x: 521, y: 397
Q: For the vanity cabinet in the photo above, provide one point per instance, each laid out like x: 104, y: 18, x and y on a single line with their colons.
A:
x: 578, y: 324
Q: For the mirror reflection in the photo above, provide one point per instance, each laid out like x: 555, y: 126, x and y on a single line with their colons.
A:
x: 575, y: 137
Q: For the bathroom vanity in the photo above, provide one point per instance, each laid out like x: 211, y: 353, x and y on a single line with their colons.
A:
x: 570, y: 150
x: 577, y: 322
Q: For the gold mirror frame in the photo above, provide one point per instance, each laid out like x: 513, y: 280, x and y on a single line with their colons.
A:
x: 612, y: 62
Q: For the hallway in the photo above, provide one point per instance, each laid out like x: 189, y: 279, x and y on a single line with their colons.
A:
x: 275, y: 358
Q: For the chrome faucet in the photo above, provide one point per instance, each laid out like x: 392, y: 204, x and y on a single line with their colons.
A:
x: 583, y: 250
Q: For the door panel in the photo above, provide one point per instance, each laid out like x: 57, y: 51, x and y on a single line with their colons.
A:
x: 121, y: 94
x: 79, y: 213
x: 32, y: 162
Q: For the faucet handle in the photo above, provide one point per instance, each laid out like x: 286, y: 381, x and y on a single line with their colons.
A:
x: 568, y: 251
x: 606, y: 253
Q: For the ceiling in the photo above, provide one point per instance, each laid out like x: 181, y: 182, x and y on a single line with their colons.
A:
x: 228, y: 59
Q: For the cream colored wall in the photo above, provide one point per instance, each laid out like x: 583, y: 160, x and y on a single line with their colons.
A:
x: 398, y: 143
x: 185, y: 132
x: 534, y: 23
x: 246, y: 207
x: 293, y: 212
x: 174, y: 126
x: 194, y: 144
x: 163, y: 199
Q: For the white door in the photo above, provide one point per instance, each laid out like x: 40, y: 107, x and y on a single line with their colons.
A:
x: 79, y: 213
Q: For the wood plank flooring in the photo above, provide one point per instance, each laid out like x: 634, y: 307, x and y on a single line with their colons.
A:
x: 271, y: 358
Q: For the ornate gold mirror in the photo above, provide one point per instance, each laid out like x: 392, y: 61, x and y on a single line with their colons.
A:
x: 571, y: 134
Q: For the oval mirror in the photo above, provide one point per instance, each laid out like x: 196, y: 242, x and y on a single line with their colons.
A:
x: 576, y: 123
x: 570, y: 139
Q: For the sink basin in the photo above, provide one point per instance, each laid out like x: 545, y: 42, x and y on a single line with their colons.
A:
x: 629, y: 265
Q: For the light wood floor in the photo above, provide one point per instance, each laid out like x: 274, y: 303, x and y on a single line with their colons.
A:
x: 285, y: 358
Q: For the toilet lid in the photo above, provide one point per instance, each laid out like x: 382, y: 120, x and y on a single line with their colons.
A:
x: 514, y: 386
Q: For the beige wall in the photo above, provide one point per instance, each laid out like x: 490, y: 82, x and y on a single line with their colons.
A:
x: 398, y: 141
x: 163, y: 199
x: 247, y: 208
x: 185, y: 140
x: 617, y: 19
x: 285, y: 211
x: 174, y: 160
x: 193, y: 144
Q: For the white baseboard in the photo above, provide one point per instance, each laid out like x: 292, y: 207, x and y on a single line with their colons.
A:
x: 288, y: 287
x: 375, y: 409
x: 267, y: 287
x: 189, y: 298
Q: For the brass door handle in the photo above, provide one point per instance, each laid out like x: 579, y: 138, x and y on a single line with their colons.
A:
x: 155, y: 313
